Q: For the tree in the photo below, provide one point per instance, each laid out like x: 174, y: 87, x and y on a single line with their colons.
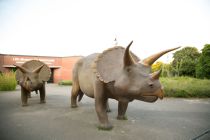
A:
x: 203, y: 66
x: 185, y: 60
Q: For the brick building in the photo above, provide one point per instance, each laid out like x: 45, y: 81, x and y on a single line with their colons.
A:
x: 61, y: 67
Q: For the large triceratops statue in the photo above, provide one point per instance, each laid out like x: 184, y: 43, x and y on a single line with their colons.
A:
x: 32, y: 76
x: 118, y: 74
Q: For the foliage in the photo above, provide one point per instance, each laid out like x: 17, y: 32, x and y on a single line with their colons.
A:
x: 7, y: 81
x: 157, y: 66
x: 185, y: 87
x: 203, y: 66
x: 185, y: 61
x: 65, y: 82
x: 167, y: 70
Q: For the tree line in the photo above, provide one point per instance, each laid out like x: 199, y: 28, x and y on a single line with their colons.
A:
x: 187, y: 62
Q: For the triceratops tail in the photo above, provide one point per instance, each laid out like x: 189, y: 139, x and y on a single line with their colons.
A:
x: 80, y: 95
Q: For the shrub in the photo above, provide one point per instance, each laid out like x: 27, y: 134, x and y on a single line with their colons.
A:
x: 8, y: 81
x: 185, y: 87
x: 65, y: 82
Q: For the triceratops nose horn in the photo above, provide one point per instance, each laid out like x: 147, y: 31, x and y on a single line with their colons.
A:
x: 27, y: 78
x: 156, y: 75
x: 22, y: 69
x: 150, y: 60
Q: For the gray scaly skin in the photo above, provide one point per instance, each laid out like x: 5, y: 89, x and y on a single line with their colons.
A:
x: 133, y: 81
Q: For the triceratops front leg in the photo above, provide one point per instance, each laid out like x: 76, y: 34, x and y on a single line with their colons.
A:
x: 29, y: 95
x: 101, y: 106
x: 24, y: 96
x: 122, y: 107
x: 42, y: 94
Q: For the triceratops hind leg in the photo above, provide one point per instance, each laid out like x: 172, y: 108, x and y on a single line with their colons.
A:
x: 122, y: 107
x: 74, y: 93
x: 107, y: 106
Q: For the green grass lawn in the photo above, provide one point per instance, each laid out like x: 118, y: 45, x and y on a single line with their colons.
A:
x: 186, y: 87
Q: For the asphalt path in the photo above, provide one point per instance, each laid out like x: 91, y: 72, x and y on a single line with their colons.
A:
x: 167, y: 119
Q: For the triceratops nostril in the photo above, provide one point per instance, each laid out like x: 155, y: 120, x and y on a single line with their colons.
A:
x: 150, y: 84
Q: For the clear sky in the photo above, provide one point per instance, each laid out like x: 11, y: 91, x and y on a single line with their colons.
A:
x: 82, y: 27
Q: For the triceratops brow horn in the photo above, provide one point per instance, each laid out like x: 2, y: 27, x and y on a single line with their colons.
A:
x: 150, y: 60
x: 22, y: 69
x: 128, y: 60
x: 37, y: 70
x: 156, y: 75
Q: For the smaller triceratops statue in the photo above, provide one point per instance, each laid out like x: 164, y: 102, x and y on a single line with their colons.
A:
x: 32, y: 76
x: 118, y: 74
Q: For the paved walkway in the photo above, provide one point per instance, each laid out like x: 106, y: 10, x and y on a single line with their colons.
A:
x: 168, y: 119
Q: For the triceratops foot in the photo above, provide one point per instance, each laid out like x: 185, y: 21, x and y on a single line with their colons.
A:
x: 24, y: 104
x: 122, y: 118
x: 74, y: 106
x: 105, y: 126
x: 42, y: 101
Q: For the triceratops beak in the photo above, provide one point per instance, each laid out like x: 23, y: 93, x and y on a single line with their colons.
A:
x: 22, y: 69
x: 158, y: 93
x: 156, y: 75
x: 128, y: 59
x: 150, y: 60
